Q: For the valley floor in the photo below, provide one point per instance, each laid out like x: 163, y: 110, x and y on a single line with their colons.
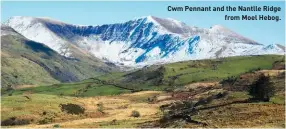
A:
x: 116, y: 111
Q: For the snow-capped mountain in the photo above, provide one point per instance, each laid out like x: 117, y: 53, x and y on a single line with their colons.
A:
x: 142, y: 41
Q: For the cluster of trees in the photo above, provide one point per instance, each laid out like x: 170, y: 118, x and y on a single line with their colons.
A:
x: 262, y: 89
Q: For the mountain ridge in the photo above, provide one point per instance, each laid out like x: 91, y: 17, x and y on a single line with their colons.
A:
x: 142, y: 41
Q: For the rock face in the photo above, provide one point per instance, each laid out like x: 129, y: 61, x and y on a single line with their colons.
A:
x: 139, y: 42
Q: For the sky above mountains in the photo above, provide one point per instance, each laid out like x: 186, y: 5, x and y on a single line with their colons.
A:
x: 98, y: 13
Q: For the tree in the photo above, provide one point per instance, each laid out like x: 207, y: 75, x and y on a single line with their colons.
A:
x: 135, y: 113
x: 262, y: 89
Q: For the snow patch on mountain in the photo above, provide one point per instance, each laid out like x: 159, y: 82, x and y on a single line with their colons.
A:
x: 102, y: 49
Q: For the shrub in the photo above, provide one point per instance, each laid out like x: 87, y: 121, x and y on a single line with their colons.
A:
x: 61, y: 94
x: 113, y: 122
x: 151, y: 99
x: 72, y: 108
x: 100, y: 107
x: 135, y: 113
x: 14, y: 121
x: 229, y: 80
x: 221, y: 95
x: 262, y: 89
x: 46, y: 120
x: 56, y: 126
x: 88, y: 86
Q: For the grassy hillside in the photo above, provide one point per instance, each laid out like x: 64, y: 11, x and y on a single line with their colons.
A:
x: 169, y: 76
x: 26, y: 62
x: 226, y: 113
x: 182, y: 73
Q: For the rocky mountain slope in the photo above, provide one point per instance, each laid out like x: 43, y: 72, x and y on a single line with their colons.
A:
x: 26, y: 62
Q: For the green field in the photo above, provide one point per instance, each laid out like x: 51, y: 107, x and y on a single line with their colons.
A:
x: 82, y: 89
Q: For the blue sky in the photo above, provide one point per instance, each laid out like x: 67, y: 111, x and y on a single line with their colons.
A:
x: 97, y: 13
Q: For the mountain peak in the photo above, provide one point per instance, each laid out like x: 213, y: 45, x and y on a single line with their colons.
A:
x: 162, y: 21
x: 220, y: 28
x: 152, y: 19
x: 17, y: 19
x: 31, y: 20
x: 168, y: 25
x: 274, y: 47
